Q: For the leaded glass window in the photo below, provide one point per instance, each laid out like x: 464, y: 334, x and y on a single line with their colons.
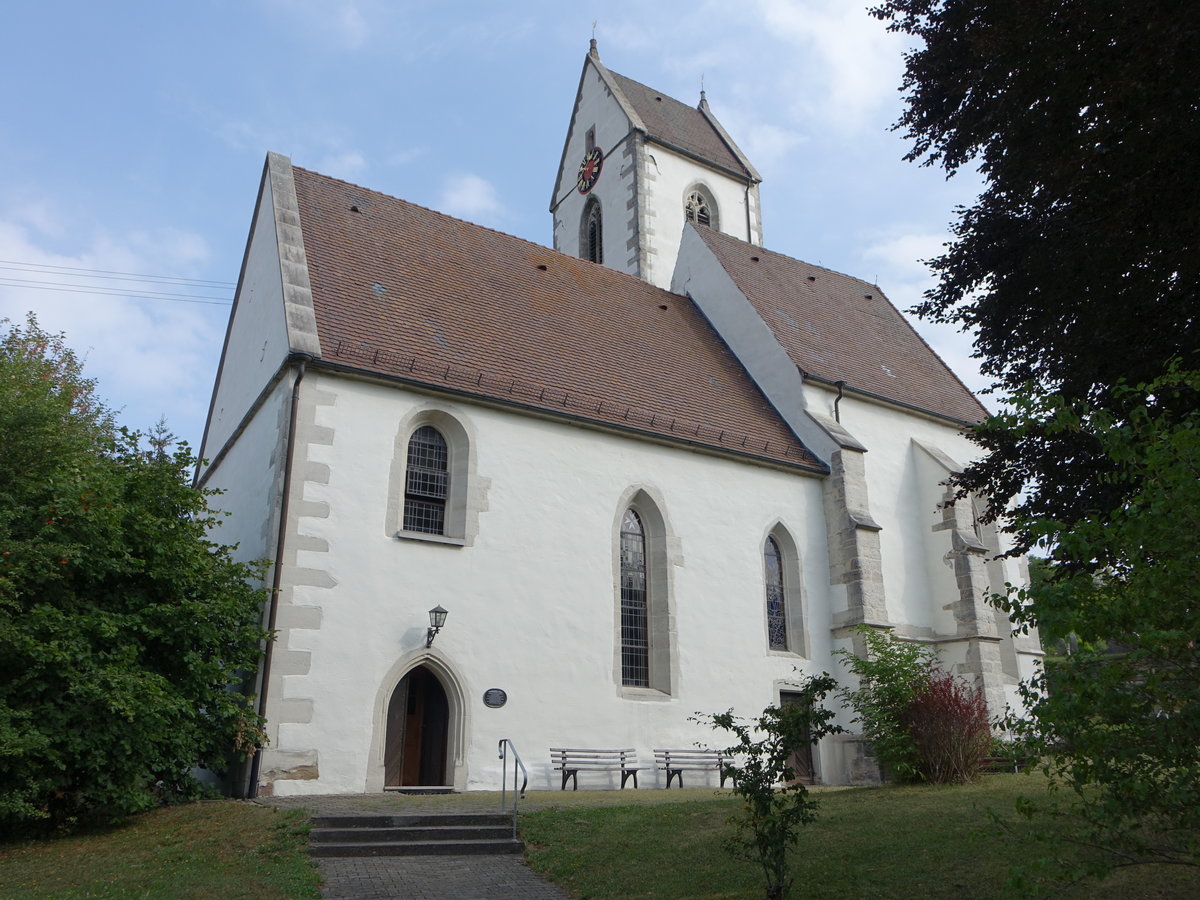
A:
x: 635, y: 633
x: 697, y: 209
x: 426, y: 481
x: 776, y: 604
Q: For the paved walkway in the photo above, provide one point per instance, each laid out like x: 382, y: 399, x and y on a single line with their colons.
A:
x: 479, y: 877
x: 494, y: 877
x: 498, y: 877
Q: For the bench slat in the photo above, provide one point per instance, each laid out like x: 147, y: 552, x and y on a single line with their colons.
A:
x: 674, y: 762
x: 569, y: 760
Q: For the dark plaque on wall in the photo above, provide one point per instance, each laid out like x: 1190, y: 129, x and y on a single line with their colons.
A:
x: 495, y: 698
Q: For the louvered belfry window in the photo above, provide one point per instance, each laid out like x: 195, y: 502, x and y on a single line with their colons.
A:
x: 635, y: 632
x: 776, y: 604
x: 426, y: 481
x: 593, y: 232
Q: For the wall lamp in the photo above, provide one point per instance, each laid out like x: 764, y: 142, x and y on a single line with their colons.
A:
x: 437, y: 618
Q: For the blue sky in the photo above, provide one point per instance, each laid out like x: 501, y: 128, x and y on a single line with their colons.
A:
x: 133, y: 135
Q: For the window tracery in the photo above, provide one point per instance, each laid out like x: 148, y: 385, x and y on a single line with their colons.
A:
x: 697, y: 208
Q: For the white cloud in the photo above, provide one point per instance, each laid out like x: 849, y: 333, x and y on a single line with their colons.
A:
x: 902, y: 252
x: 151, y: 357
x: 348, y: 165
x: 343, y: 22
x: 846, y: 63
x: 406, y: 156
x: 767, y: 144
x: 322, y: 148
x: 469, y: 196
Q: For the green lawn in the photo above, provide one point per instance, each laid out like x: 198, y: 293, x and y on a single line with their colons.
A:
x: 902, y: 842
x: 220, y: 849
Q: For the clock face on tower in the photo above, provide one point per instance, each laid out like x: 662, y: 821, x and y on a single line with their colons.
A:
x: 589, y: 170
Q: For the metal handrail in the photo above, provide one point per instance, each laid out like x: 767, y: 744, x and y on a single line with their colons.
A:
x: 505, y: 746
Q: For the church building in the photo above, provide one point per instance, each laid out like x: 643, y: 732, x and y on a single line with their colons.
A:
x: 654, y: 471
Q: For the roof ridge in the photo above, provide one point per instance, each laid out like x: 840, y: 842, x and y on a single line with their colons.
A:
x: 736, y: 164
x: 600, y: 267
x: 760, y: 249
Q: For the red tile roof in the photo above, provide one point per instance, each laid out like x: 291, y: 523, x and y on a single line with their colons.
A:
x: 840, y: 328
x: 401, y: 291
x: 676, y: 123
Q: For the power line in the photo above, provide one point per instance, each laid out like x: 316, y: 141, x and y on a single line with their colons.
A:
x: 106, y: 273
x: 61, y: 288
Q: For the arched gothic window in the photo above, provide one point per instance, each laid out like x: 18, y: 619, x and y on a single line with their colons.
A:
x: 635, y: 631
x: 776, y: 601
x: 426, y: 482
x: 699, y: 209
x: 591, y: 238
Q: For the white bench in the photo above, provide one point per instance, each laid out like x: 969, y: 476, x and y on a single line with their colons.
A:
x: 570, y: 760
x: 674, y: 762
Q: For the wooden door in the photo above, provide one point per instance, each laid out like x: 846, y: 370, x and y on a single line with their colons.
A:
x: 802, y: 760
x: 418, y: 729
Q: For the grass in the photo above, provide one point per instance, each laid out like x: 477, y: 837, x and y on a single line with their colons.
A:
x: 897, y: 842
x: 220, y: 848
x: 869, y: 842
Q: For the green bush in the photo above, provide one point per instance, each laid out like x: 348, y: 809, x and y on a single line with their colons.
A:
x: 924, y: 723
x: 889, y: 677
x: 776, y: 805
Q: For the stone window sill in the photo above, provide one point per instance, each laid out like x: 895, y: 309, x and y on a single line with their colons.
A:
x: 641, y: 693
x: 430, y: 538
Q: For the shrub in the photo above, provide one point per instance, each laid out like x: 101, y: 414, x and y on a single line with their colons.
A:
x: 889, y: 676
x: 776, y: 805
x: 923, y: 723
x: 948, y: 722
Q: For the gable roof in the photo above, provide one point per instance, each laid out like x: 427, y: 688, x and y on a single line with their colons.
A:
x: 403, y: 292
x: 840, y: 328
x: 683, y: 127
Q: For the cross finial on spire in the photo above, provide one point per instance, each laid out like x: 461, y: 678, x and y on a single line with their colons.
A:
x: 702, y: 87
x: 592, y: 51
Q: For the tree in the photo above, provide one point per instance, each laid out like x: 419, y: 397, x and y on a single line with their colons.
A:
x: 776, y: 805
x: 1079, y: 264
x: 123, y: 628
x: 1121, y: 727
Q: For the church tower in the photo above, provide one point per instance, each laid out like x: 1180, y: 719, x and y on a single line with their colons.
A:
x: 636, y: 165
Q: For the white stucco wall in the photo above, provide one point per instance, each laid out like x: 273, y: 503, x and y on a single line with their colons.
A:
x: 533, y: 599
x: 670, y: 178
x: 257, y: 341
x: 248, y: 477
x: 904, y: 485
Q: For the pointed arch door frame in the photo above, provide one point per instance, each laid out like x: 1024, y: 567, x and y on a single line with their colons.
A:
x: 457, y: 714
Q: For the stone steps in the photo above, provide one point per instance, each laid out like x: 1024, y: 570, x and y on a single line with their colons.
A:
x: 413, y: 835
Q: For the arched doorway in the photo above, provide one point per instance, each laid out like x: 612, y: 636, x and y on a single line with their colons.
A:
x: 418, y: 727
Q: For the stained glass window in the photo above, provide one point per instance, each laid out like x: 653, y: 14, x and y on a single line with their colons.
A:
x: 776, y: 604
x: 635, y: 633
